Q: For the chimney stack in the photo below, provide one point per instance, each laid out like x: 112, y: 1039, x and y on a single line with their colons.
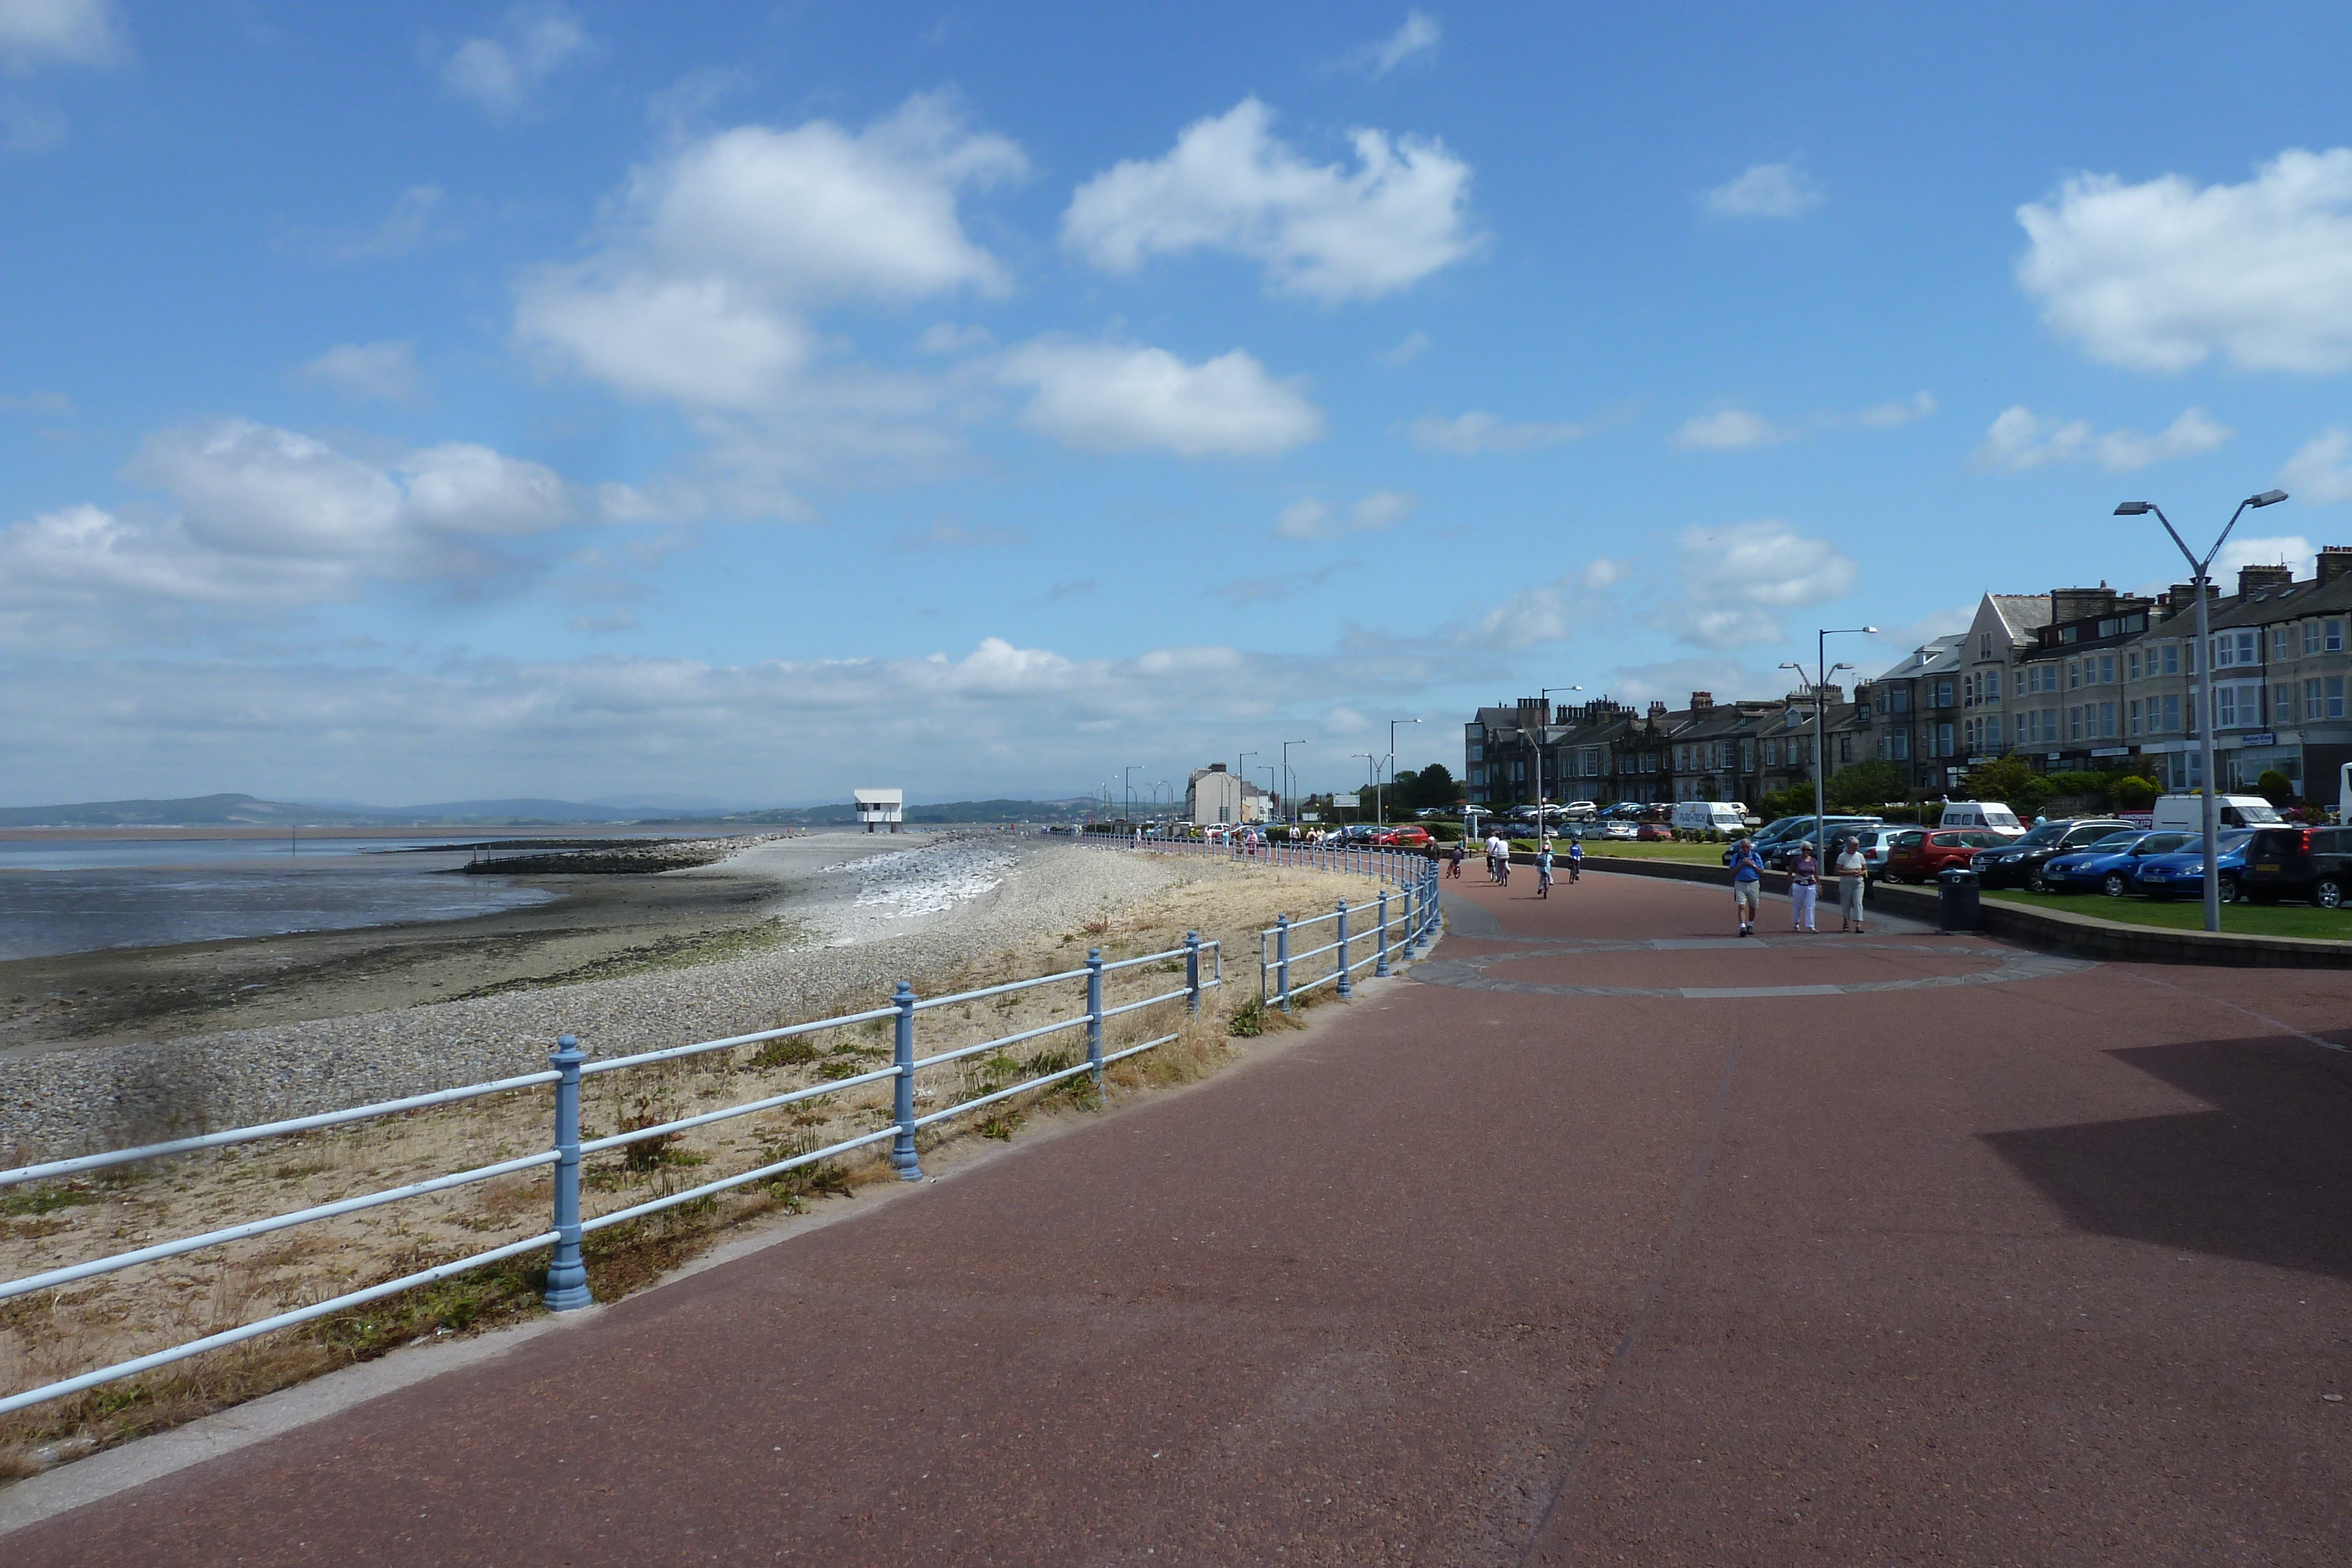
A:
x: 1702, y: 701
x: 2334, y: 560
x: 2254, y: 579
x: 1657, y: 708
x: 2080, y: 604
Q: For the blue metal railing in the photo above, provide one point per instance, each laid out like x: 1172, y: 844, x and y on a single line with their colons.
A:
x: 568, y: 1068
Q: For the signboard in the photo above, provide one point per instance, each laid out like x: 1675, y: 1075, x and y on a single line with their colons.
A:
x: 2260, y: 737
x: 2120, y: 750
x: 1310, y: 816
x: 1344, y: 800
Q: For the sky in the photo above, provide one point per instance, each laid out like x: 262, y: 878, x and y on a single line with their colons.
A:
x: 744, y: 403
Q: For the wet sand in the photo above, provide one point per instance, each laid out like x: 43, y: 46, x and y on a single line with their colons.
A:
x: 599, y: 926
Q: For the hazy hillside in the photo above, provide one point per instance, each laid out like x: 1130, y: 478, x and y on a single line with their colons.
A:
x: 247, y: 811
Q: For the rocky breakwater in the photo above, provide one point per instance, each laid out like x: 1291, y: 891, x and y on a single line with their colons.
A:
x: 616, y: 857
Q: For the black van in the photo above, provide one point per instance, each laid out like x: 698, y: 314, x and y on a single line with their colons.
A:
x: 2299, y: 863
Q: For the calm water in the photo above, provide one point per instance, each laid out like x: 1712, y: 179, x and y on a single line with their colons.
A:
x: 74, y: 895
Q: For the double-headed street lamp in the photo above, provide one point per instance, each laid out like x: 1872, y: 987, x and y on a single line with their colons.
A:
x: 1372, y: 772
x: 1289, y: 780
x: 1379, y: 799
x: 1543, y: 822
x: 2198, y: 583
x: 1823, y: 670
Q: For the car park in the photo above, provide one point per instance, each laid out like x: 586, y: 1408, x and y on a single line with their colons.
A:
x: 2019, y: 863
x: 2108, y: 865
x: 1921, y: 854
x: 2181, y: 873
x: 2299, y: 863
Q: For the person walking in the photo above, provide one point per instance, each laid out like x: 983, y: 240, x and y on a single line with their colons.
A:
x: 1746, y: 883
x: 1853, y: 875
x: 1804, y: 888
x: 1543, y: 870
x: 1575, y: 860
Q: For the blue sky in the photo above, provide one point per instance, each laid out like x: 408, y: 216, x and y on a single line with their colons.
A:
x: 747, y: 402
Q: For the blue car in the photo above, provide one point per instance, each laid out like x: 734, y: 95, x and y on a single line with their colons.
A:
x: 2108, y: 865
x: 2181, y: 874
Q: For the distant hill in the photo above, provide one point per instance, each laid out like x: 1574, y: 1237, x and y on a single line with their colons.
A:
x: 248, y: 810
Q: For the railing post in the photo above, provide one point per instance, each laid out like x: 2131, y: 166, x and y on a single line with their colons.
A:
x: 902, y: 1095
x: 1411, y: 886
x: 1093, y: 1013
x: 1346, y: 987
x: 1282, y: 959
x: 567, y: 1273
x: 1380, y: 970
x: 1192, y: 971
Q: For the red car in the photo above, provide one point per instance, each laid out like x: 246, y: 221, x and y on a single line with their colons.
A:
x: 1412, y: 836
x: 1654, y: 833
x: 1918, y: 854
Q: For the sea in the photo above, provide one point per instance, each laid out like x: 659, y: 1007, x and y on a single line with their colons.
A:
x: 65, y: 894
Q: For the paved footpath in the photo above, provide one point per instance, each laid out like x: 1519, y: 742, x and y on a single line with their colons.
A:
x: 1607, y: 1241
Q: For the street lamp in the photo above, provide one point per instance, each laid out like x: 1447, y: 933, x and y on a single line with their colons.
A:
x: 1378, y: 798
x: 1543, y: 822
x: 1823, y: 670
x: 1289, y: 779
x: 2199, y: 582
x: 1371, y: 761
x: 1127, y: 790
x: 1241, y: 786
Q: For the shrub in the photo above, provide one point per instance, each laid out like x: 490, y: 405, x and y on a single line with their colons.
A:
x: 2132, y: 793
x: 2274, y: 787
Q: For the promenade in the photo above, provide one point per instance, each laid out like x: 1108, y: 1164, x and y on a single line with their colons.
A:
x: 1603, y: 1238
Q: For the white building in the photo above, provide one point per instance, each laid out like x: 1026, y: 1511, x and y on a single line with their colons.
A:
x: 1214, y: 796
x: 876, y: 807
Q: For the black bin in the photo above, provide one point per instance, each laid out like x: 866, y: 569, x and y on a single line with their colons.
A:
x: 1958, y: 907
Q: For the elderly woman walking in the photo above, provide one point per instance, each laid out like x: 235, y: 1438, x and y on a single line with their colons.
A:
x: 1804, y: 888
x: 1853, y: 874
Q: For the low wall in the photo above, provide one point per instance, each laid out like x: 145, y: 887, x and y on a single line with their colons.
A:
x: 2050, y: 930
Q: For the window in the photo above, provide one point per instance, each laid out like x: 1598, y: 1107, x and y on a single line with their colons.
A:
x: 2311, y: 708
x: 1898, y: 746
x: 1944, y: 739
x: 2311, y: 637
x: 2334, y: 696
x: 1992, y: 733
x: 1984, y: 645
x: 2172, y: 658
x: 2074, y: 723
x: 1773, y: 754
x: 2021, y: 683
x: 1845, y: 749
x: 1944, y: 696
x: 1899, y: 700
x: 2106, y: 669
x: 2281, y: 703
x: 2172, y: 713
x: 2131, y: 662
x: 2106, y: 721
x: 1477, y: 752
x: 2131, y: 717
x: 2278, y: 642
x: 2332, y: 637
x: 2073, y: 673
x: 1747, y: 756
x: 2238, y: 704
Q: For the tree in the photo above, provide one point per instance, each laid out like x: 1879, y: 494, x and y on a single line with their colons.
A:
x: 2009, y: 781
x: 1863, y: 786
x: 2131, y: 792
x: 1432, y: 786
x: 2274, y: 787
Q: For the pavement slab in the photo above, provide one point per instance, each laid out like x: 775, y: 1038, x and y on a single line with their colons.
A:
x: 2056, y: 1268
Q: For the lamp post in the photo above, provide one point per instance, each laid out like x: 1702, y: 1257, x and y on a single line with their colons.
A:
x: 2199, y: 582
x: 1823, y: 670
x: 1127, y: 790
x: 1289, y: 779
x: 1371, y: 761
x: 1241, y: 786
x: 1543, y: 823
x: 1379, y: 799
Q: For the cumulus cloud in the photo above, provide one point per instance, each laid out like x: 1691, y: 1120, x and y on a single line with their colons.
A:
x: 1112, y: 397
x: 386, y: 370
x: 699, y: 292
x: 1419, y: 35
x: 2278, y: 550
x: 1468, y: 435
x: 264, y: 517
x: 2165, y: 274
x: 35, y: 33
x: 1323, y: 231
x: 1739, y: 580
x: 1732, y: 429
x: 1765, y: 191
x: 2019, y: 439
x: 1547, y: 613
x: 501, y: 74
x: 1309, y: 518
x: 1408, y: 348
x: 2322, y: 470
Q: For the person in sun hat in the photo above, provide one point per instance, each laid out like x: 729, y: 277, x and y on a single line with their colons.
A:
x: 1746, y: 883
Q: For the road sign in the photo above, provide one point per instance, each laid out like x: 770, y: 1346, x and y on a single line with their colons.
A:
x: 1346, y: 801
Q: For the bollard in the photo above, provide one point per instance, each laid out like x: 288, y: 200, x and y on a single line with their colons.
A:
x: 1192, y: 971
x: 1380, y: 970
x: 1093, y: 1013
x: 902, y: 1095
x: 1282, y: 959
x: 1346, y: 987
x: 567, y: 1275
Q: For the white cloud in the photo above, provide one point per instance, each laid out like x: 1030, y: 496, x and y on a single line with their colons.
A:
x: 386, y: 370
x: 2163, y: 275
x: 1547, y: 613
x: 1419, y: 35
x: 1765, y: 191
x: 1887, y: 415
x: 1728, y: 430
x: 2321, y: 471
x: 67, y: 32
x: 1407, y: 350
x: 2279, y: 549
x: 1737, y: 581
x: 503, y: 73
x: 1320, y: 230
x: 947, y: 338
x: 411, y: 225
x: 1111, y: 397
x: 2019, y: 439
x: 1309, y: 519
x: 698, y: 293
x: 1466, y: 435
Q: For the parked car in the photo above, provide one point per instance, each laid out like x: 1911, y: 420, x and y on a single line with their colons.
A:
x: 1711, y: 817
x: 2108, y: 866
x: 2020, y: 863
x: 2182, y: 874
x: 1980, y: 814
x: 1873, y: 843
x: 1412, y: 836
x: 2298, y: 863
x: 2186, y: 812
x: 1654, y: 834
x: 1920, y: 854
x: 1779, y: 850
x: 1620, y: 829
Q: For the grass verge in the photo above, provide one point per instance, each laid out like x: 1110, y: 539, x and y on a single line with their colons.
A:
x: 2189, y: 913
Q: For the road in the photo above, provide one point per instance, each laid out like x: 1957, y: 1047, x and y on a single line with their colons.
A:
x: 1608, y: 1239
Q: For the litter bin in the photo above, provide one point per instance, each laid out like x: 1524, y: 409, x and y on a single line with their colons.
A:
x: 1957, y: 901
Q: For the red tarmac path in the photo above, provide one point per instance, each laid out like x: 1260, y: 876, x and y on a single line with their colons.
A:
x: 2052, y: 1268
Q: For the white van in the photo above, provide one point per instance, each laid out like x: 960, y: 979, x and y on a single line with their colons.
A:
x: 2186, y: 814
x: 1980, y: 814
x: 1711, y: 817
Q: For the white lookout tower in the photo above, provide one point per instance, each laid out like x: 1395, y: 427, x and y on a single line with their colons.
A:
x: 876, y: 807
